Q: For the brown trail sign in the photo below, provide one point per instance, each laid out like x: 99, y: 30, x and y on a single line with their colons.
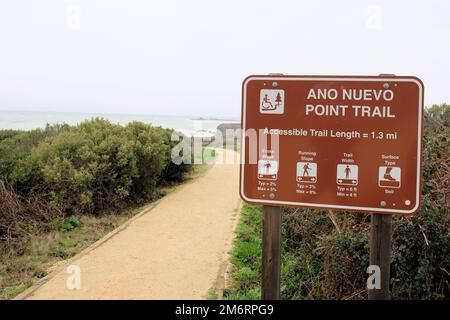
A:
x: 334, y: 142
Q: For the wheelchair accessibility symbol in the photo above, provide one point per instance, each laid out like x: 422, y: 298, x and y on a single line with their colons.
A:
x: 271, y: 101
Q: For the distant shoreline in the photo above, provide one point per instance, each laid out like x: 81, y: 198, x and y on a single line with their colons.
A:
x: 188, y: 125
x: 216, y: 119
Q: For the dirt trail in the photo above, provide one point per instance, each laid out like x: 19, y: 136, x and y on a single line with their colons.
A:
x: 176, y: 250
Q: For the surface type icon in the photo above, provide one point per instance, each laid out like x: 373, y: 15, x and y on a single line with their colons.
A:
x: 347, y: 174
x: 267, y: 169
x: 389, y: 177
x: 307, y: 172
x: 271, y: 101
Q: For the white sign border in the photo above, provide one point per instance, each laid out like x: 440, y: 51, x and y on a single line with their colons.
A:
x: 331, y: 206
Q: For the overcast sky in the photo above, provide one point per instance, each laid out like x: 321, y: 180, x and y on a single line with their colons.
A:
x: 190, y: 57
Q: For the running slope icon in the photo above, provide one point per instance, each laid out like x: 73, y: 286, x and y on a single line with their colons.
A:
x: 307, y: 172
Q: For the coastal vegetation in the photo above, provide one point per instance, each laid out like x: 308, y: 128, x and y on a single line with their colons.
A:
x: 64, y: 187
x: 325, y: 254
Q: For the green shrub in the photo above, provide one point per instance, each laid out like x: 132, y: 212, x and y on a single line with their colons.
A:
x: 86, y: 169
x: 332, y: 262
x: 89, y: 168
x: 6, y: 134
x: 175, y: 172
x: 98, y: 165
x: 15, y: 148
x: 71, y: 223
x: 151, y: 149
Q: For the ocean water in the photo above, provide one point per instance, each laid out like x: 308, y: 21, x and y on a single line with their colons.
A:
x: 27, y: 120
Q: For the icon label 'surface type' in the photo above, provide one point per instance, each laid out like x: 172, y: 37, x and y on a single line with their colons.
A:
x: 341, y: 142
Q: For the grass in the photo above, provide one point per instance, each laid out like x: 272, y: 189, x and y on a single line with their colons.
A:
x: 209, y: 156
x: 318, y: 262
x: 212, y: 294
x: 246, y: 256
x: 246, y: 259
x: 23, y: 263
x: 297, y: 270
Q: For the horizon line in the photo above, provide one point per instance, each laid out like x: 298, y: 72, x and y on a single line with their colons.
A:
x: 204, y: 117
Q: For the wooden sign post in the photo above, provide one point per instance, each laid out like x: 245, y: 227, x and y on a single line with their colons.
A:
x: 271, y: 253
x: 331, y: 142
x: 380, y: 254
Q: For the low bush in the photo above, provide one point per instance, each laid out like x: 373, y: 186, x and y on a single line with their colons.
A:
x: 20, y: 216
x: 89, y: 168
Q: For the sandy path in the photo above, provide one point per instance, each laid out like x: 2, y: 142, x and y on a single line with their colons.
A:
x: 176, y: 250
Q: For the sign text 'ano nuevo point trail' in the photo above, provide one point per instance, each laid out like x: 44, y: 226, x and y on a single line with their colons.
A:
x: 332, y: 142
